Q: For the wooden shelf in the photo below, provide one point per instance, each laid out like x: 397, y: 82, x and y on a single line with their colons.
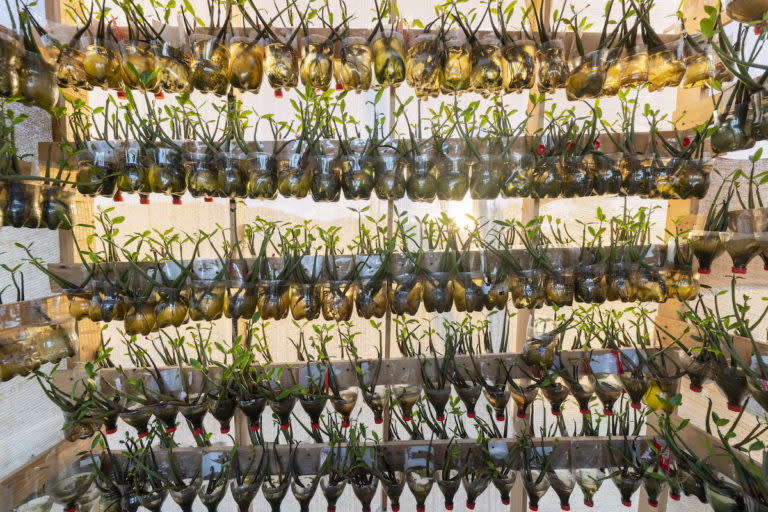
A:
x: 394, y: 371
x: 567, y: 452
x: 685, y: 332
x: 209, y: 268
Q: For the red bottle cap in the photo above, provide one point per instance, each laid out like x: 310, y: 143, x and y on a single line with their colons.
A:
x: 278, y: 93
x: 71, y: 509
x: 607, y: 412
x: 686, y: 142
x: 499, y: 418
x: 589, y: 503
x: 170, y: 430
x: 345, y: 424
x: 255, y: 428
x: 331, y: 509
x: 585, y: 411
x: 635, y: 406
x: 198, y: 431
x: 315, y: 426
x: 121, y: 95
x: 626, y: 503
x: 470, y: 506
x: 111, y: 431
x: 734, y: 408
x: 406, y: 418
x: 118, y: 197
x: 471, y: 415
x: 143, y: 200
x: 448, y: 506
x: 440, y: 418
x: 224, y: 430
x: 565, y: 507
x: 160, y: 95
x: 142, y: 435
x: 521, y: 415
x: 208, y: 199
x: 556, y: 413
x: 695, y: 389
x: 653, y: 504
x: 765, y: 267
x: 420, y: 509
x: 737, y: 270
x: 339, y: 87
x: 395, y: 508
x: 596, y: 144
x: 285, y: 426
x: 176, y: 200
x: 541, y: 149
x: 533, y: 507
x: 505, y: 501
x: 675, y: 497
x: 378, y: 421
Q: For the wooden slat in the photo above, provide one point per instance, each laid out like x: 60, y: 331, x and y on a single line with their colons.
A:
x: 21, y: 484
x: 685, y: 332
x: 693, y: 10
x: 520, y: 144
x: 566, y: 452
x: 77, y: 273
x: 394, y: 371
x: 721, y: 275
x: 695, y: 112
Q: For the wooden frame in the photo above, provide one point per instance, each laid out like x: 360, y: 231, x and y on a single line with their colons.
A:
x: 690, y: 101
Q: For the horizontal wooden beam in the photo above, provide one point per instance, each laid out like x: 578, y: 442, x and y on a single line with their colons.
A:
x: 210, y: 268
x: 566, y: 452
x: 394, y: 371
x: 521, y: 144
x: 685, y: 332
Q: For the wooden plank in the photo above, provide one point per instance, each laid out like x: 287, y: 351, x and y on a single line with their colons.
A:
x: 520, y: 144
x: 22, y: 483
x: 77, y: 273
x: 685, y: 332
x: 394, y: 371
x: 693, y: 11
x: 566, y: 452
x: 721, y: 275
x: 696, y: 111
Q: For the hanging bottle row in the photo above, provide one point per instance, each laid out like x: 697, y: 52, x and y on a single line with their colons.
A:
x: 468, y: 153
x: 449, y: 55
x: 429, y: 260
x: 630, y: 381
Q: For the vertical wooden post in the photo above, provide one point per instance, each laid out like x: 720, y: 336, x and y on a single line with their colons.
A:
x: 530, y: 210
x: 88, y: 332
x: 387, y: 349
